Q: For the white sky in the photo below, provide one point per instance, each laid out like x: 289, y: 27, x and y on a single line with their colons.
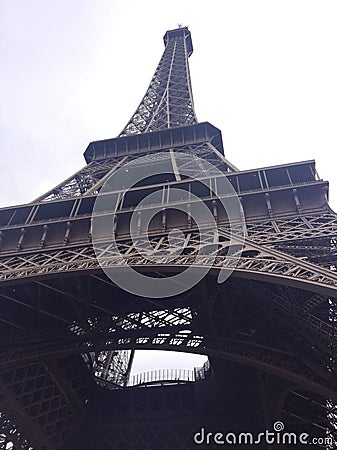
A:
x: 263, y: 71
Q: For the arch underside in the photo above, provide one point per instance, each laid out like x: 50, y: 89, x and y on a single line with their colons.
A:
x: 266, y: 329
x: 266, y: 322
x: 51, y: 294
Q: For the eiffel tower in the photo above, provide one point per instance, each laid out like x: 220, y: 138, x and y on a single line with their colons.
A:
x: 69, y: 332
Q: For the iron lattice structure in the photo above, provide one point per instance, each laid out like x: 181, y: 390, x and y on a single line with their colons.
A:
x: 68, y: 333
x: 168, y: 102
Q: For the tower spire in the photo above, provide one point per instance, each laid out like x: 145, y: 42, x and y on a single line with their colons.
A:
x: 168, y: 101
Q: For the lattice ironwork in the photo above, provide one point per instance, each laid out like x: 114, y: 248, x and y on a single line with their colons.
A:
x: 259, y: 262
x: 68, y: 334
x: 83, y: 181
x: 168, y: 102
x: 12, y: 436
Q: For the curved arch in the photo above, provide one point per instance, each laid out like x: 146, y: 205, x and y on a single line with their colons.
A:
x: 311, y: 278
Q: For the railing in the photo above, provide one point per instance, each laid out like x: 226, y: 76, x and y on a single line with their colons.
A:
x: 162, y: 376
x: 159, y: 376
x: 165, y: 376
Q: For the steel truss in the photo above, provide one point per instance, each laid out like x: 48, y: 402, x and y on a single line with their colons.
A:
x: 68, y: 334
x: 256, y: 261
x: 168, y: 102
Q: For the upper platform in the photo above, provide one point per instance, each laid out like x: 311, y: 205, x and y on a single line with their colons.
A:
x: 158, y: 140
x: 182, y: 32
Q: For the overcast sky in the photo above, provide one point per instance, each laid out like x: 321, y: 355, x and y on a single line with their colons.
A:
x: 264, y: 72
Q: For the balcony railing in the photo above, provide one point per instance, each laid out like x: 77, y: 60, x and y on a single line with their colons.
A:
x: 160, y: 376
x: 165, y: 376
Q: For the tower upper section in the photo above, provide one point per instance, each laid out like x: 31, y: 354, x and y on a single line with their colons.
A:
x: 168, y: 101
x: 177, y: 34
